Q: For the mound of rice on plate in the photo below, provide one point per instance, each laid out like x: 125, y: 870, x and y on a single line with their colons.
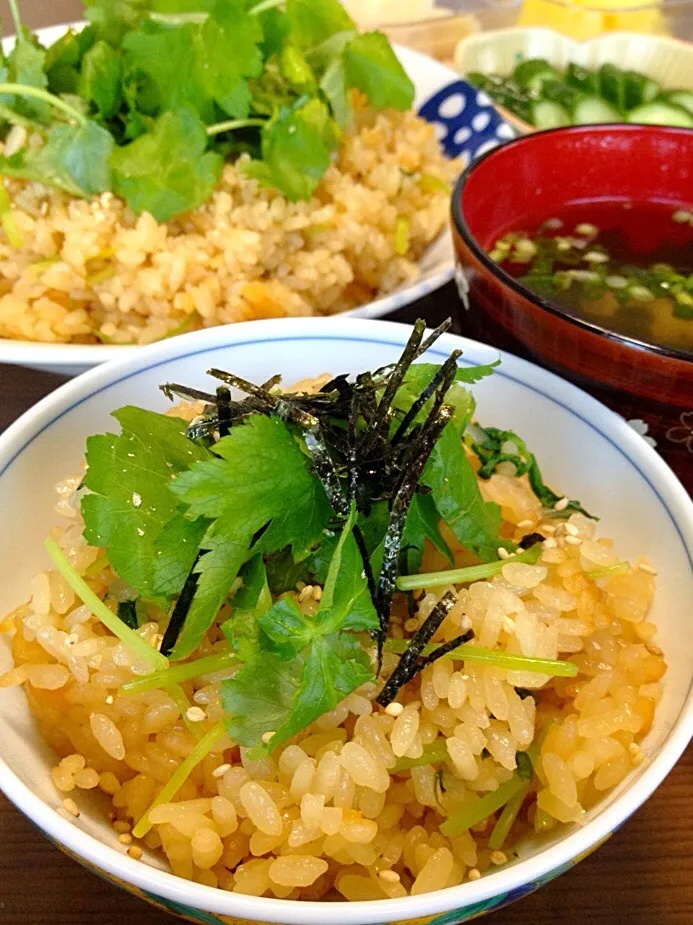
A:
x: 93, y: 271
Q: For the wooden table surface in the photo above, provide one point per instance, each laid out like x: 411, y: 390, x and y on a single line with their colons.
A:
x: 642, y: 876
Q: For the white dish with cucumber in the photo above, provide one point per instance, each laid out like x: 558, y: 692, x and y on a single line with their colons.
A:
x: 541, y: 80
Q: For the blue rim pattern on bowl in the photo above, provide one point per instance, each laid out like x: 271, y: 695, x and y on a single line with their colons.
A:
x: 466, y: 121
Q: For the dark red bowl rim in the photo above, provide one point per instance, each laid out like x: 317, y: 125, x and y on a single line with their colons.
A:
x: 505, y: 278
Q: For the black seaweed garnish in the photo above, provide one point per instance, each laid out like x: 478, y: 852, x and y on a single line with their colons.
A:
x: 409, y: 664
x: 363, y: 450
x: 127, y: 613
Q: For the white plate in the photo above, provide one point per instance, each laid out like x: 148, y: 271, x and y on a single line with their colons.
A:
x: 436, y: 265
x: 584, y: 449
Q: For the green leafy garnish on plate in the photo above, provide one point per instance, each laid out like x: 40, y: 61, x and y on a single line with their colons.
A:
x: 152, y: 96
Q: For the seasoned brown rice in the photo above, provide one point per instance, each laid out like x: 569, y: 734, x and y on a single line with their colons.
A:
x: 91, y: 271
x: 328, y: 814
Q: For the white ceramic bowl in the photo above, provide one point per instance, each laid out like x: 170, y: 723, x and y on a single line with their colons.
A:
x: 435, y: 265
x: 584, y: 449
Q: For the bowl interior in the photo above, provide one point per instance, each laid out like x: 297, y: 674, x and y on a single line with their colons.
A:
x: 584, y: 450
x: 541, y: 173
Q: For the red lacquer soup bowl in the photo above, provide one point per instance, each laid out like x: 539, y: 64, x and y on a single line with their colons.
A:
x: 535, y: 177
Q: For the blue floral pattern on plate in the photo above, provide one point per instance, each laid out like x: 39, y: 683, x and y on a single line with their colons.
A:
x: 466, y: 122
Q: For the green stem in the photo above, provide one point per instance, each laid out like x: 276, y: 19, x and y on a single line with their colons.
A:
x: 507, y: 660
x: 177, y: 19
x: 507, y: 818
x: 609, y: 570
x: 458, y: 576
x: 46, y: 97
x: 16, y: 119
x: 178, y: 673
x: 232, y: 125
x: 16, y: 18
x: 491, y: 802
x: 181, y: 774
x: 265, y: 5
x: 133, y: 640
x: 432, y: 754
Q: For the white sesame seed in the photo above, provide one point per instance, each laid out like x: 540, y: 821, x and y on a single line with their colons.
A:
x: 681, y: 216
x: 125, y: 838
x: 394, y: 709
x: 525, y: 524
x: 221, y: 770
x: 136, y: 499
x: 474, y: 874
x: 498, y: 857
x: 135, y: 852
x: 645, y: 567
x: 195, y: 714
x: 653, y: 649
x: 636, y: 754
x: 109, y: 699
x: 547, y: 528
x: 573, y: 540
x: 70, y: 806
x: 317, y: 593
x: 305, y: 593
x: 267, y: 737
x: 595, y: 257
x: 550, y: 543
x: 586, y: 228
x: 561, y: 504
x: 389, y: 876
x: 503, y: 553
x: 572, y: 530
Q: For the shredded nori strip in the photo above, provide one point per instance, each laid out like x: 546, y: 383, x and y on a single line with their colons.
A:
x: 409, y: 663
x: 173, y: 390
x: 127, y: 613
x: 531, y: 539
x: 420, y: 451
x: 224, y: 410
x: 180, y: 610
x: 446, y: 373
x: 447, y: 647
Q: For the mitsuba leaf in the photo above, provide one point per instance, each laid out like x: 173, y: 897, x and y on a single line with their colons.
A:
x: 169, y: 60
x: 75, y: 158
x: 313, y: 21
x: 310, y: 663
x: 371, y: 66
x: 167, y: 170
x: 259, y: 481
x: 249, y: 603
x: 100, y: 79
x: 422, y: 524
x: 130, y: 502
x: 63, y: 59
x: 296, y: 148
x: 475, y: 522
x: 230, y: 54
x: 26, y: 63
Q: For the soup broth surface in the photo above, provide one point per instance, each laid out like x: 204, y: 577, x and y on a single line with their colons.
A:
x: 627, y: 266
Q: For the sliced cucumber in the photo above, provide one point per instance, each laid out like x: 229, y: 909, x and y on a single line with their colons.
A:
x: 546, y: 114
x: 638, y: 89
x: 581, y: 79
x: 591, y: 110
x: 559, y: 92
x: 680, y: 98
x: 661, y: 112
x: 612, y: 85
x: 534, y: 73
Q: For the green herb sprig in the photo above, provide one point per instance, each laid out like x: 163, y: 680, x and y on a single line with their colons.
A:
x: 148, y: 102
